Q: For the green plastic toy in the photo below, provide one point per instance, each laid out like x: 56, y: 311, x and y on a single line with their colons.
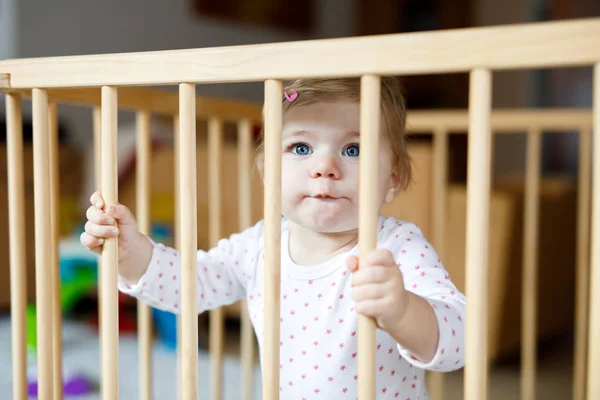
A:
x: 80, y: 283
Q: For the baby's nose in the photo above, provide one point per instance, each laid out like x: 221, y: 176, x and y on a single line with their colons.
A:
x: 326, y: 167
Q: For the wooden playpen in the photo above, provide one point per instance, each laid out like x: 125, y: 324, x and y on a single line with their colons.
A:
x: 106, y: 83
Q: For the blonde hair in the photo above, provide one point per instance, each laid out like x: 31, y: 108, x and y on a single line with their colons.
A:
x: 393, y: 113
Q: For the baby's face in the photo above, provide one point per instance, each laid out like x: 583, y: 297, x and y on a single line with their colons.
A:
x: 320, y: 167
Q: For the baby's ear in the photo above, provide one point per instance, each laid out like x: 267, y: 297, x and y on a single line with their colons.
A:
x: 394, y: 187
x: 259, y: 164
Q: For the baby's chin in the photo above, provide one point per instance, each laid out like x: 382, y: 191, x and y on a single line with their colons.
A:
x: 325, y: 223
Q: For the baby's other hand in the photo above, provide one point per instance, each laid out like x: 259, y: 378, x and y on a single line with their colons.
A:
x: 378, y: 288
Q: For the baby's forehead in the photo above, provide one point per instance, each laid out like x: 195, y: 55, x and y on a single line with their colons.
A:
x: 344, y: 117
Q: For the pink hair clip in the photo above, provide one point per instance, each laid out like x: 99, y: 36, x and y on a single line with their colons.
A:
x: 291, y: 96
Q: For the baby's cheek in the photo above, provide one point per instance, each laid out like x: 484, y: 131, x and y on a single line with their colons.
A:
x: 287, y: 201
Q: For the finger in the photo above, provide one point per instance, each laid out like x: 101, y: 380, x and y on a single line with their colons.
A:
x: 91, y: 242
x: 369, y: 308
x: 121, y: 213
x: 380, y: 257
x: 370, y: 291
x: 375, y: 274
x: 101, y: 231
x: 97, y: 200
x: 98, y: 216
x: 352, y: 263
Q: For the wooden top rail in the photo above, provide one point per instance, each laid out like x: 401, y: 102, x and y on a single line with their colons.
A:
x: 166, y: 103
x: 504, y: 120
x: 160, y: 102
x: 523, y: 46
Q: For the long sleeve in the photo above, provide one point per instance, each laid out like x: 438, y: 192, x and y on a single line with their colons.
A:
x: 223, y: 273
x: 425, y: 276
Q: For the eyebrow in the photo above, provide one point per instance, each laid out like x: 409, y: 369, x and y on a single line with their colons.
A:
x: 349, y: 134
x: 299, y: 133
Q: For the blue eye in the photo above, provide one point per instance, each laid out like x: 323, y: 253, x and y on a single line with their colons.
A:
x: 351, y: 151
x: 301, y: 149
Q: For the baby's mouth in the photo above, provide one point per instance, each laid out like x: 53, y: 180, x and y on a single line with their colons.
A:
x: 323, y: 196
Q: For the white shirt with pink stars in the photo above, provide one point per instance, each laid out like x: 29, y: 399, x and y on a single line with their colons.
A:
x: 319, y: 326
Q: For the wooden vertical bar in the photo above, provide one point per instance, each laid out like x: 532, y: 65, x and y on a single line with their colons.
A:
x: 188, y: 236
x: 478, y: 198
x: 97, y: 122
x: 144, y: 316
x: 215, y: 155
x: 530, y: 265
x: 97, y: 133
x: 177, y: 243
x: 245, y: 220
x: 16, y: 238
x: 440, y: 176
x: 593, y: 383
x: 368, y: 171
x: 43, y: 241
x: 583, y: 263
x: 55, y: 228
x: 109, y: 317
x: 272, y: 215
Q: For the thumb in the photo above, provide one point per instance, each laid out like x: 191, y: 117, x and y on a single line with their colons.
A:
x: 121, y: 213
x: 352, y: 263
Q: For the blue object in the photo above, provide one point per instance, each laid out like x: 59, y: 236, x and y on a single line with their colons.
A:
x: 166, y: 325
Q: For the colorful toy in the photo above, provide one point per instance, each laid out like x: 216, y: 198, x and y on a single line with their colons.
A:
x: 166, y: 327
x: 164, y: 321
x: 79, y: 277
x: 73, y: 384
x: 80, y: 283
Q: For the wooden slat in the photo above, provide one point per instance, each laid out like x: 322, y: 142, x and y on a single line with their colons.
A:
x: 97, y: 133
x: 593, y: 383
x: 272, y: 217
x: 109, y: 317
x: 4, y: 81
x: 440, y: 176
x: 177, y: 242
x: 158, y: 101
x: 162, y: 102
x: 530, y: 265
x: 583, y: 263
x: 368, y: 172
x: 55, y: 264
x: 143, y: 196
x: 215, y: 155
x: 188, y: 239
x: 503, y: 121
x: 16, y: 238
x: 478, y: 198
x: 522, y: 46
x: 43, y: 243
x: 245, y: 220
